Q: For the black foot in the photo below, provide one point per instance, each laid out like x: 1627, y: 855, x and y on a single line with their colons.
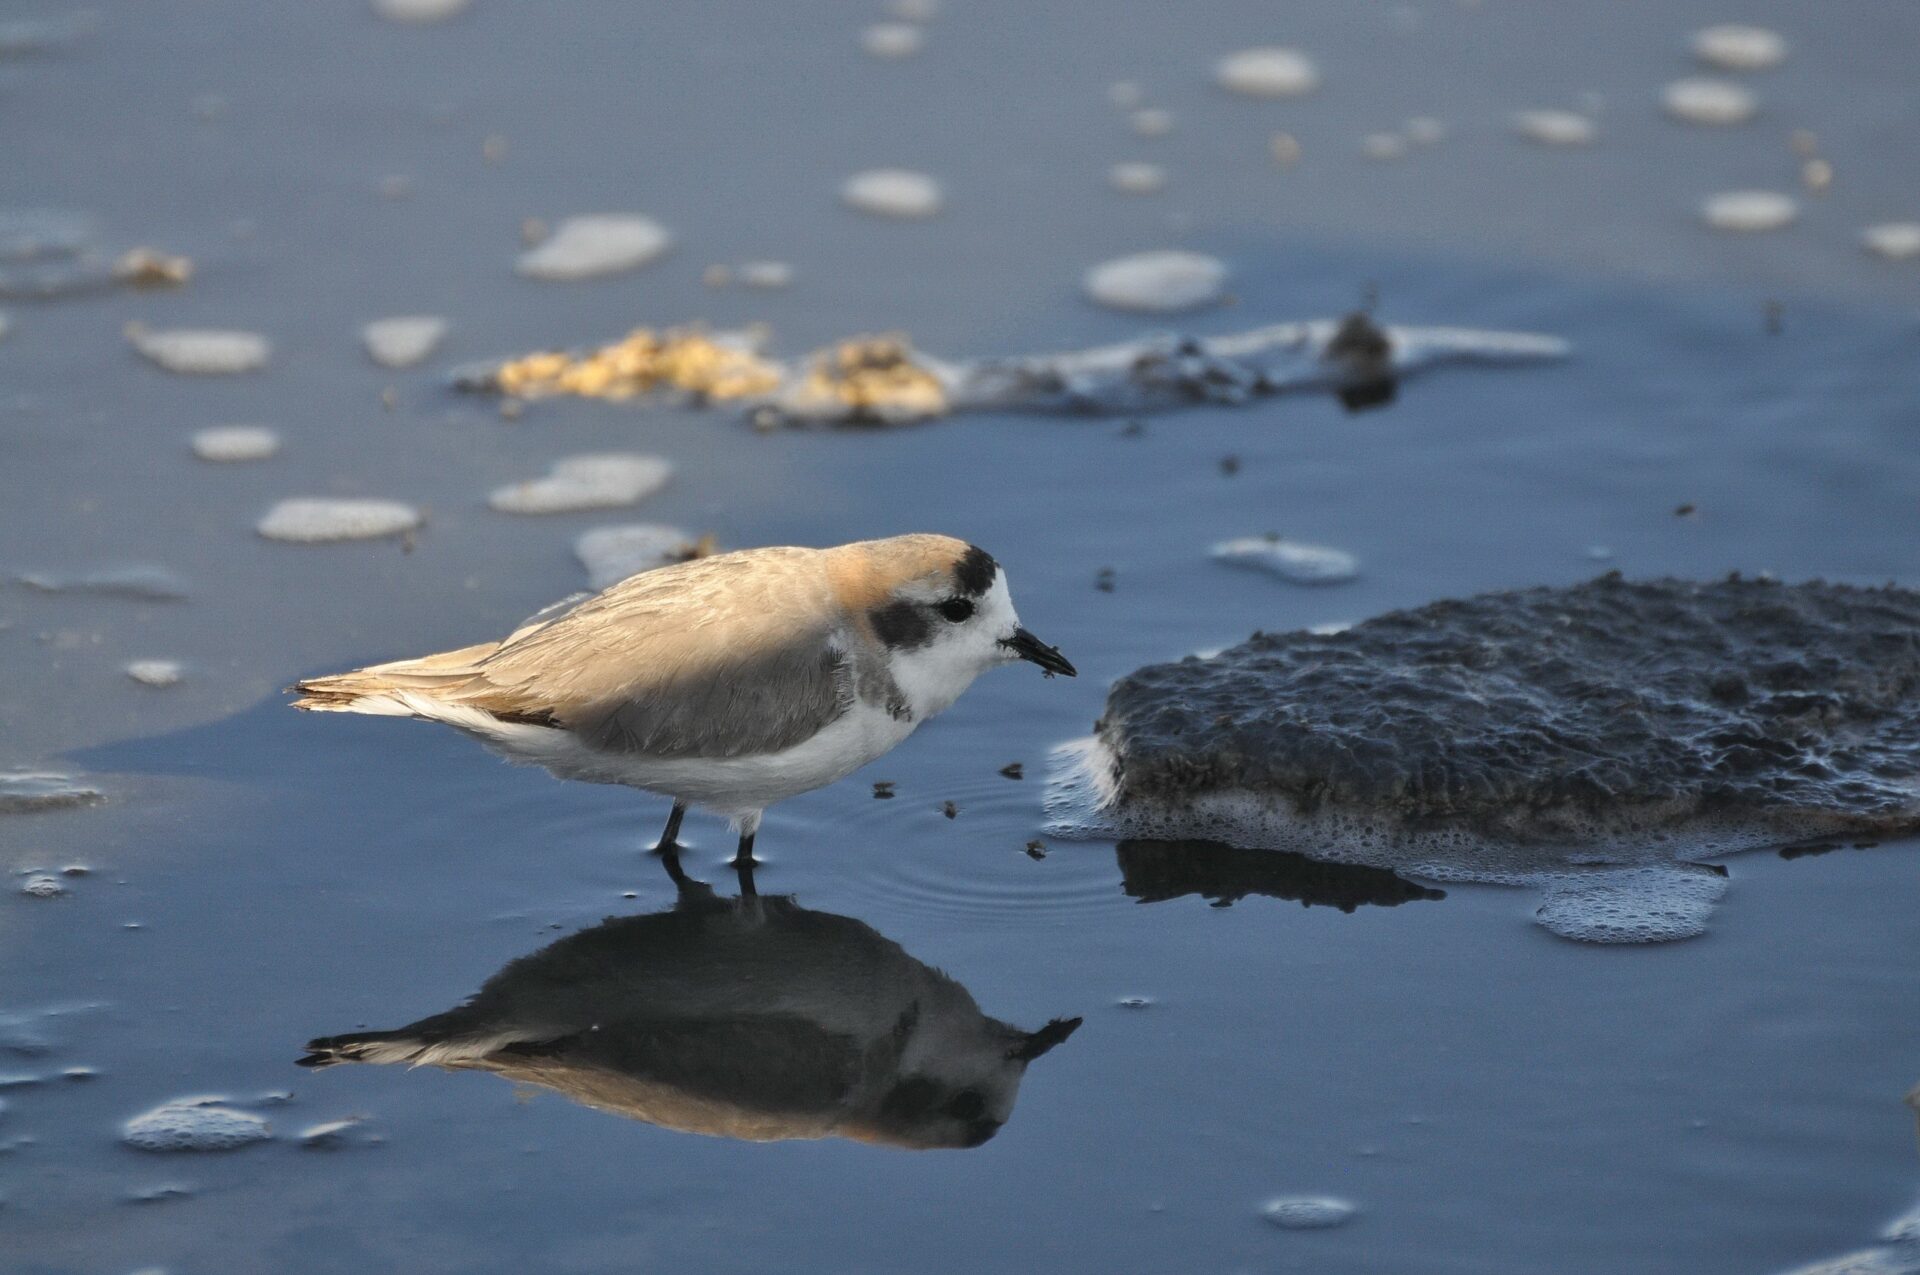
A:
x: 743, y: 865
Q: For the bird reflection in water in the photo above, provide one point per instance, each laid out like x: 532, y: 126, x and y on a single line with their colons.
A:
x: 750, y: 1018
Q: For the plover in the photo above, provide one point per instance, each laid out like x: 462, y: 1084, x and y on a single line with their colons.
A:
x: 741, y: 1018
x: 730, y: 682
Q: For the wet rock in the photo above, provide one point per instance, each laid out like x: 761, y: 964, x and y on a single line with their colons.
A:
x: 201, y: 352
x: 1750, y: 211
x: 893, y: 192
x: 1894, y: 240
x: 1289, y: 559
x: 1703, y: 101
x: 155, y: 672
x: 1158, y: 282
x: 598, y: 481
x: 611, y: 554
x: 405, y: 341
x: 1267, y: 72
x: 235, y: 444
x: 137, y: 583
x: 195, y: 1124
x: 1155, y: 871
x: 1514, y: 736
x: 1897, y: 1254
x: 1735, y: 46
x: 321, y: 520
x: 1306, y: 1212
x: 1555, y: 128
x: 24, y: 792
x: 593, y: 246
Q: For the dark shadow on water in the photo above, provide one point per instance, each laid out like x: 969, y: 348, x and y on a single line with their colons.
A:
x: 751, y: 1018
x: 1154, y: 871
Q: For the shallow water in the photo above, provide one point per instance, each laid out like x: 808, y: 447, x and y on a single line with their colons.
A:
x: 1489, y: 1097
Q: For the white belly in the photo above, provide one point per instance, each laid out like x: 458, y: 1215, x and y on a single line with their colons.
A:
x: 730, y: 786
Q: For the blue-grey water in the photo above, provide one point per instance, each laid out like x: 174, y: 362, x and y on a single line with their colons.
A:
x: 1490, y: 1097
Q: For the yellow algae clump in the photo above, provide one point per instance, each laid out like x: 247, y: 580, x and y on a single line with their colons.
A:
x: 682, y: 359
x: 868, y: 378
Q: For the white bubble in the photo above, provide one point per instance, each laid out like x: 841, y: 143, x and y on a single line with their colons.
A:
x: 1555, y: 128
x: 1152, y: 122
x: 599, y: 481
x: 1306, y: 1212
x: 1267, y: 72
x: 1894, y: 240
x: 1735, y: 46
x: 1289, y: 559
x: 611, y: 554
x: 419, y: 11
x: 328, y: 1136
x: 1158, y: 282
x: 893, y: 192
x: 1698, y: 100
x: 41, y: 886
x: 591, y: 246
x: 1137, y: 178
x: 227, y: 444
x: 155, y: 672
x: 201, y: 352
x: 1748, y: 211
x: 1383, y: 146
x: 1635, y: 905
x: 765, y: 274
x: 195, y: 1124
x: 892, y: 40
x: 134, y: 583
x: 319, y: 519
x: 403, y: 341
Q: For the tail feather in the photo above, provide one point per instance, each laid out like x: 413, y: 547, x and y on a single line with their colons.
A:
x: 342, y: 692
x: 421, y: 1044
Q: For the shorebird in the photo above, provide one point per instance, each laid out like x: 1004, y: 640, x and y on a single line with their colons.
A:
x: 729, y: 682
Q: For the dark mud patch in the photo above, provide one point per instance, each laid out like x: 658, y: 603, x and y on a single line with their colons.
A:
x: 1616, y: 724
x: 750, y: 1018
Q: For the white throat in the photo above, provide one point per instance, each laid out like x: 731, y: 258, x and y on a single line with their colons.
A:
x: 932, y: 676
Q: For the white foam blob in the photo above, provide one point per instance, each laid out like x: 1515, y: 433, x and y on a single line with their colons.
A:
x: 135, y: 583
x: 404, y: 341
x: 1383, y: 146
x: 1749, y: 211
x: 42, y: 886
x: 1306, y: 1212
x: 1633, y: 905
x: 27, y: 792
x: 195, y: 1124
x: 611, y: 554
x: 230, y: 444
x: 893, y: 192
x: 1273, y: 71
x: 321, y: 519
x: 1158, y: 282
x: 1137, y: 178
x: 1555, y: 128
x: 1735, y: 46
x: 1894, y: 240
x: 419, y: 11
x: 1152, y: 122
x: 1289, y: 559
x: 591, y: 246
x: 330, y: 1135
x: 201, y: 351
x: 892, y: 40
x: 764, y: 274
x: 155, y: 672
x: 599, y: 481
x: 1699, y: 100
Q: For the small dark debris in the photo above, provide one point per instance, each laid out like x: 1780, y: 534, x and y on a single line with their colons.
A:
x: 1774, y: 317
x: 1036, y: 849
x: 950, y: 809
x: 1229, y: 465
x: 1103, y: 580
x: 883, y: 790
x: 1685, y: 511
x: 1013, y: 770
x: 1133, y: 429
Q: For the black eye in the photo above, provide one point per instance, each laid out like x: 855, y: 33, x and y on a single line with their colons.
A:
x: 956, y: 609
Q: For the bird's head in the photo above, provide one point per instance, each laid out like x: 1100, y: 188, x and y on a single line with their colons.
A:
x: 941, y: 610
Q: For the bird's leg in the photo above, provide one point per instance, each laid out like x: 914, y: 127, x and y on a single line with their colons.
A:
x: 743, y: 865
x: 670, y: 838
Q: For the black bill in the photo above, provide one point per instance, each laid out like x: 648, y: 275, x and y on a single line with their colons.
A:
x: 1034, y: 651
